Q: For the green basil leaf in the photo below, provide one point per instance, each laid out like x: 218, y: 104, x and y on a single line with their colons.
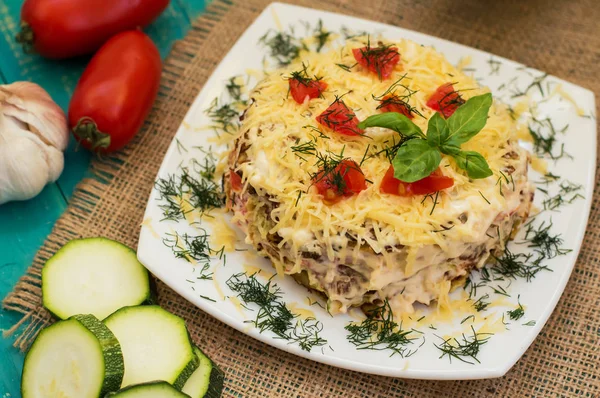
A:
x: 449, y: 149
x: 473, y: 163
x: 416, y: 159
x: 393, y: 121
x: 469, y: 119
x: 437, y: 130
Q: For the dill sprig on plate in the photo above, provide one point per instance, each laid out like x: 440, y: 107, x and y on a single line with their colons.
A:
x: 321, y: 36
x: 225, y: 116
x: 193, y: 185
x: 544, y: 135
x: 273, y: 314
x: 481, y: 304
x: 466, y: 347
x: 542, y: 241
x: 518, y: 265
x: 284, y: 47
x: 380, y: 332
x: 567, y: 194
x: 193, y: 248
x: 518, y: 312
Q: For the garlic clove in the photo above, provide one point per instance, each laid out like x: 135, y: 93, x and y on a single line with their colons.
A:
x: 32, y: 105
x: 26, y: 162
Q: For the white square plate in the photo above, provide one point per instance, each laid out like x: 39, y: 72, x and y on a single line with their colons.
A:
x: 539, y: 296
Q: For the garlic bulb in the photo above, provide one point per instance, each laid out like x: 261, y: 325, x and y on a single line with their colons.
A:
x: 33, y: 136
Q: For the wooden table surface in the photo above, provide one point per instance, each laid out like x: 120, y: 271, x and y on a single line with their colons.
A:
x: 25, y: 225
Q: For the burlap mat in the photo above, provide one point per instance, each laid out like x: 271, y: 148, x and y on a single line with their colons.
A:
x: 561, y: 37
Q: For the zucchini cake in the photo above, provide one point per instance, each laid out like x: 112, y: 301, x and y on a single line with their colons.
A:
x: 400, y: 207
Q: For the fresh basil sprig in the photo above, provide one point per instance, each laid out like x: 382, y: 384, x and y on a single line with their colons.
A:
x: 419, y: 157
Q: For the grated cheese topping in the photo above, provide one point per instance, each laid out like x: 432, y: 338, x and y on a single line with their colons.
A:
x: 274, y: 123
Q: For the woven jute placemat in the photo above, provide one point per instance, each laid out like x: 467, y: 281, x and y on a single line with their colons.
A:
x: 561, y: 37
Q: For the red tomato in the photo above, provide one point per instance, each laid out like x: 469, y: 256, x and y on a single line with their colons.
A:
x: 436, y: 181
x: 302, y: 88
x: 341, y: 119
x: 379, y: 60
x: 116, y: 92
x: 345, y: 180
x: 445, y: 100
x: 235, y: 180
x: 391, y: 103
x: 67, y: 28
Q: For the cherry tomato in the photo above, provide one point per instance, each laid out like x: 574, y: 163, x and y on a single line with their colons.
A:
x: 302, y: 88
x: 445, y: 100
x: 116, y: 92
x: 380, y: 60
x: 67, y: 28
x: 345, y: 180
x: 235, y: 180
x: 341, y: 119
x: 436, y: 181
x: 391, y: 103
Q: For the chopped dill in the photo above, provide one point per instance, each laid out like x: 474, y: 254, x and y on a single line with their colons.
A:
x: 567, y: 194
x: 540, y: 239
x: 350, y: 34
x: 284, y: 47
x: 194, y: 185
x: 180, y: 147
x: 225, y: 116
x: 544, y: 135
x: 321, y: 36
x: 484, y: 198
x: 346, y: 67
x: 468, y: 347
x: 472, y: 317
x: 208, y: 298
x: 548, y: 178
x: 481, y: 304
x: 434, y: 199
x: 494, y: 66
x: 273, y: 314
x: 500, y: 290
x: 518, y: 265
x: 517, y: 313
x: 379, y: 332
x: 395, y: 98
x: 530, y: 323
x: 235, y: 90
x: 537, y: 83
x: 305, y: 148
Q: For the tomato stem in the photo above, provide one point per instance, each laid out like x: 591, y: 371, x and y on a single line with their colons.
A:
x: 87, y: 130
x: 26, y: 37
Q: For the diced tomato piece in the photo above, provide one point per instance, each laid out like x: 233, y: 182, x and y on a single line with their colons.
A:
x: 445, y: 100
x: 380, y: 60
x: 345, y: 180
x: 302, y: 88
x: 436, y: 181
x: 235, y: 180
x: 341, y: 119
x: 392, y: 103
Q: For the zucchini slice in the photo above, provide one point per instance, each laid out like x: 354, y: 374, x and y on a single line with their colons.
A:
x: 206, y: 381
x: 154, y: 389
x: 76, y: 358
x: 93, y: 276
x: 155, y: 344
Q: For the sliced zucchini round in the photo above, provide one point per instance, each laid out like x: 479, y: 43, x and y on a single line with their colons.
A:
x: 206, y: 381
x: 154, y: 389
x: 155, y: 344
x: 93, y: 276
x: 76, y: 358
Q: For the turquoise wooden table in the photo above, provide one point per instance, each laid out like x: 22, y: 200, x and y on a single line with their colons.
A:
x: 25, y: 225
